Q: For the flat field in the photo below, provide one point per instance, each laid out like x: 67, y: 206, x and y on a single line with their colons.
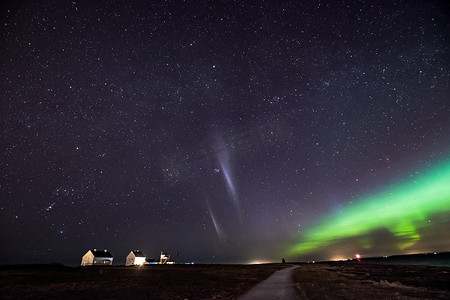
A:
x: 352, y: 280
x: 340, y: 280
x: 146, y: 282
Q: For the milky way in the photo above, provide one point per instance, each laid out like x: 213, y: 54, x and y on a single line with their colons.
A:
x: 223, y: 131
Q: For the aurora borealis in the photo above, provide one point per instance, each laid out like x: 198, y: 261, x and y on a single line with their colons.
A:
x: 223, y: 131
x: 405, y: 210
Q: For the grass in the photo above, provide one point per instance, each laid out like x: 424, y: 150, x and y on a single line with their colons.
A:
x: 339, y: 280
x: 342, y: 280
x: 147, y: 282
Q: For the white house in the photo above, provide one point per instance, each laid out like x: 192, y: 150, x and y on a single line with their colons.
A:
x: 135, y: 258
x: 97, y: 258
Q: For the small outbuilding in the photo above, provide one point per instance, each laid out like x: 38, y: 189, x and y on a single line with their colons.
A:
x: 135, y: 258
x: 164, y: 259
x: 97, y: 258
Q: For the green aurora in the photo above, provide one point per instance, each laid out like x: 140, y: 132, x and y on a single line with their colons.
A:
x: 402, y: 209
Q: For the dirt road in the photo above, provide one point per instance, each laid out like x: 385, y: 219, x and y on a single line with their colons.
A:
x: 277, y: 286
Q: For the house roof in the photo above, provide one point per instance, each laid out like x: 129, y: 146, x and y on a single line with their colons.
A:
x: 101, y: 253
x: 138, y: 253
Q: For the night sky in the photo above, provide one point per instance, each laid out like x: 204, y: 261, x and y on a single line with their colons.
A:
x: 224, y: 131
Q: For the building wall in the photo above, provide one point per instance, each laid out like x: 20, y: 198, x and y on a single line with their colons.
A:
x: 89, y: 260
x: 103, y: 261
x: 130, y: 259
x: 139, y: 261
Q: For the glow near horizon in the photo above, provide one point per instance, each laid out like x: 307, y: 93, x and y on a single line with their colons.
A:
x: 402, y: 209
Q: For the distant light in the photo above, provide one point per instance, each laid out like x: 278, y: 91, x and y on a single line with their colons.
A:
x: 339, y: 258
x: 358, y: 256
x: 258, y: 262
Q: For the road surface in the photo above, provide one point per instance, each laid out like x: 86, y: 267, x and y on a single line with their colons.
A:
x: 277, y: 286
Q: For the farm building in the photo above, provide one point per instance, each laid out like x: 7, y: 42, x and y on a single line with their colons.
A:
x: 135, y: 258
x: 97, y: 258
x: 164, y: 259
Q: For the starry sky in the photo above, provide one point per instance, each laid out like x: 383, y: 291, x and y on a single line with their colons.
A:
x: 223, y: 131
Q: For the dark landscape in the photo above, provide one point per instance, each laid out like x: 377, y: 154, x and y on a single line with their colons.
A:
x: 358, y: 280
x: 325, y: 280
x: 146, y: 282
